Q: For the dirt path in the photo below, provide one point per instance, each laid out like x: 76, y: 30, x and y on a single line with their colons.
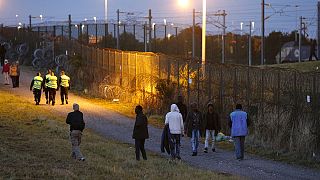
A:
x: 113, y: 125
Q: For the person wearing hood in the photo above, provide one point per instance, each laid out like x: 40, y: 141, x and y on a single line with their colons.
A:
x: 175, y: 121
x: 140, y: 132
x: 211, y: 126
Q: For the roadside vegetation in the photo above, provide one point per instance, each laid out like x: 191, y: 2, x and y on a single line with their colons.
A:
x: 35, y: 145
x: 313, y: 66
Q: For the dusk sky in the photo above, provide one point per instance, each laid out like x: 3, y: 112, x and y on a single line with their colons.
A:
x: 238, y: 11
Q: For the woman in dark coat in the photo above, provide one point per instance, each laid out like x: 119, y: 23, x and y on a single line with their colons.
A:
x: 140, y: 133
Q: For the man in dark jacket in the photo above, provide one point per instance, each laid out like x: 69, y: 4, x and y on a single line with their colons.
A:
x: 193, y: 127
x: 182, y: 108
x: 77, y: 124
x: 313, y: 50
x: 211, y: 126
x: 140, y: 132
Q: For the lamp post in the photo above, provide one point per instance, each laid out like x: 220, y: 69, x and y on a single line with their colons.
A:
x: 204, y: 22
x: 106, y: 11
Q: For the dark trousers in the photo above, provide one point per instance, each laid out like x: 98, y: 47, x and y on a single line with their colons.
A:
x: 313, y: 54
x: 64, y: 93
x: 17, y: 81
x: 46, y: 93
x: 52, y: 95
x: 139, y: 145
x: 37, y: 95
x: 175, y: 146
x: 14, y: 81
x: 239, y: 146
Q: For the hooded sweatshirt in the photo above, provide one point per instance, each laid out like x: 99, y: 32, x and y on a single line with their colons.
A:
x: 175, y: 121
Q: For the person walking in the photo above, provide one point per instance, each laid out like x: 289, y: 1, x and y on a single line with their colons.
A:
x: 313, y: 50
x: 14, y: 74
x: 182, y: 108
x: 2, y: 54
x: 239, y: 130
x: 5, y: 72
x: 64, y: 85
x: 211, y: 126
x: 175, y: 121
x: 45, y: 86
x: 140, y: 132
x: 77, y: 125
x: 52, y: 85
x: 193, y: 126
x: 36, y: 86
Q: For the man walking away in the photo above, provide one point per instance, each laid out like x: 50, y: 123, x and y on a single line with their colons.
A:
x: 140, y: 132
x: 239, y: 130
x: 36, y: 86
x: 176, y: 127
x: 5, y: 72
x: 313, y: 50
x: 77, y: 124
x: 194, y: 120
x: 53, y: 85
x: 182, y: 108
x: 64, y: 85
x: 45, y: 86
x: 211, y: 126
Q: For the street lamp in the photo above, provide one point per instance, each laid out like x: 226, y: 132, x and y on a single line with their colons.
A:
x: 106, y: 11
x: 204, y: 23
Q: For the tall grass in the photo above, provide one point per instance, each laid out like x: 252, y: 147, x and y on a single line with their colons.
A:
x: 35, y: 145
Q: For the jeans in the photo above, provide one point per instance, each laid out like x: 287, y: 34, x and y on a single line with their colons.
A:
x: 195, y: 140
x: 52, y: 95
x: 239, y: 146
x: 175, y: 146
x: 139, y: 145
x: 75, y: 138
x: 209, y: 133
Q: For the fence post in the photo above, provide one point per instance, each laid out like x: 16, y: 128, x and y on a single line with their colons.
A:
x: 209, y: 85
x: 262, y: 95
x: 178, y: 77
x: 198, y: 83
x: 221, y: 96
x: 96, y: 26
x: 106, y: 33
x: 278, y: 101
x: 235, y: 86
x: 188, y: 83
x: 87, y: 33
x: 69, y: 26
x: 169, y: 66
x: 248, y: 87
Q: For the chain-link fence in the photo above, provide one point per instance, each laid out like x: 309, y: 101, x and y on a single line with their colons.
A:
x: 283, y: 105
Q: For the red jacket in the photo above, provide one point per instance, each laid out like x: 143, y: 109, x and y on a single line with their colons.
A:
x: 6, y: 68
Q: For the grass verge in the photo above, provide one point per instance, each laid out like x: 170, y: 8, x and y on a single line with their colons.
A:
x: 35, y: 145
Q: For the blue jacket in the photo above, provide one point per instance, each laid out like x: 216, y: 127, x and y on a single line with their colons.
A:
x: 239, y: 120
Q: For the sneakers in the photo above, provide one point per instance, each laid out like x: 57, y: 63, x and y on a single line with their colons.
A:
x: 205, y: 150
x: 66, y: 102
x: 213, y: 149
x: 82, y: 159
x: 194, y: 154
x: 47, y: 102
x: 178, y: 157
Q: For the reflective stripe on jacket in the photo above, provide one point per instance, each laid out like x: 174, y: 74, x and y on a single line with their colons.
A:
x: 53, y: 82
x: 64, y: 81
x: 37, y: 82
x: 47, y: 78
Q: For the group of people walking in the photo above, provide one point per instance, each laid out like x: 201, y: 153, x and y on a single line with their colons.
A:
x: 50, y: 84
x: 180, y: 122
x: 11, y: 70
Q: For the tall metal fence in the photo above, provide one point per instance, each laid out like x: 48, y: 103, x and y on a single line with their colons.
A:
x: 283, y: 104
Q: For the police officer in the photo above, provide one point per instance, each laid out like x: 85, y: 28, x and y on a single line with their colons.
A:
x: 52, y: 85
x: 36, y: 86
x: 45, y: 86
x: 64, y: 84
